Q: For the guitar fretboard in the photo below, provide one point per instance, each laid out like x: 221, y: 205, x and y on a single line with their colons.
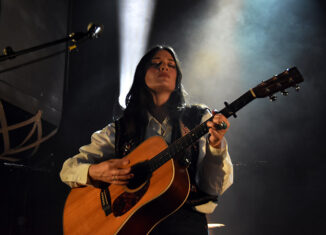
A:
x: 184, y: 142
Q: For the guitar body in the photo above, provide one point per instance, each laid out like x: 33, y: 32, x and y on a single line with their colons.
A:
x: 141, y: 208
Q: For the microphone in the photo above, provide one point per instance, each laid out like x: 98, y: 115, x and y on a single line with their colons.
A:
x: 94, y: 30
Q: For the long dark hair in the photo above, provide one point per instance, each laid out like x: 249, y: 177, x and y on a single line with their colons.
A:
x: 139, y: 99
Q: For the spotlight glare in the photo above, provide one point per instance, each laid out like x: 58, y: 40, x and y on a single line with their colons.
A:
x: 215, y: 225
x: 134, y: 20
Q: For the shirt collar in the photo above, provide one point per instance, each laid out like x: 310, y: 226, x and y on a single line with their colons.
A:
x: 151, y: 118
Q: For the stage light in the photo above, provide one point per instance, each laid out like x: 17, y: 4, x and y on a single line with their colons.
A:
x: 215, y: 225
x: 134, y: 23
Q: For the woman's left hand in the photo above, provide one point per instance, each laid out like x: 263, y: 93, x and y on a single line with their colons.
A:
x: 217, y: 129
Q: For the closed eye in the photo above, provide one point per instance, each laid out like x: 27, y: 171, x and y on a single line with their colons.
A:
x: 156, y: 64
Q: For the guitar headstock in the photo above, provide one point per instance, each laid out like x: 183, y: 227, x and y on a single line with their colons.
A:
x: 289, y: 78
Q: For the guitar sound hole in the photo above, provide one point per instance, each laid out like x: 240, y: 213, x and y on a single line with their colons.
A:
x: 127, y: 200
x: 142, y: 173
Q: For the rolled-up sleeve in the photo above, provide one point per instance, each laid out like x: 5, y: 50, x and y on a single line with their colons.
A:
x: 74, y: 171
x: 214, y: 166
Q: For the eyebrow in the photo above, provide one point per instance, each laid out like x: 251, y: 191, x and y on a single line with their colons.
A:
x: 160, y: 58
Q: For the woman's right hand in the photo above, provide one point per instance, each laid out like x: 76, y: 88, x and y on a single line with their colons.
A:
x: 113, y: 171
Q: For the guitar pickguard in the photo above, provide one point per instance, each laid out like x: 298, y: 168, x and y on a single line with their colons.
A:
x: 127, y: 200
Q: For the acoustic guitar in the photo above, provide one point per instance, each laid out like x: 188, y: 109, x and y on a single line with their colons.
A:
x: 160, y: 186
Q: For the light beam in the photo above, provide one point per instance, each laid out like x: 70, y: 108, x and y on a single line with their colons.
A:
x: 134, y: 19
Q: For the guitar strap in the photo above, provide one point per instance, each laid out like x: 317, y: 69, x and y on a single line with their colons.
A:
x: 124, y: 143
x: 106, y: 200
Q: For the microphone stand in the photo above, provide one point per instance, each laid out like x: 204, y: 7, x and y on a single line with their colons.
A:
x: 22, y: 166
x: 94, y: 31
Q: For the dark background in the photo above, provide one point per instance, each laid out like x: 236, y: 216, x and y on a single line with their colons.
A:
x: 277, y: 148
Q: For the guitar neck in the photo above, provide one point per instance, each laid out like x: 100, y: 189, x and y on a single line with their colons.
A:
x: 184, y: 142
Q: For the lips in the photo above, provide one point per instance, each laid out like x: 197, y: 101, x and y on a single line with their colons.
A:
x: 163, y: 74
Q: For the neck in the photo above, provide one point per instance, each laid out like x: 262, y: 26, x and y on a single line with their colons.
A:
x: 159, y: 112
x: 161, y: 98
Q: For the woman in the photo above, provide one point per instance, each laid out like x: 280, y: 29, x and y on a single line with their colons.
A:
x: 155, y: 106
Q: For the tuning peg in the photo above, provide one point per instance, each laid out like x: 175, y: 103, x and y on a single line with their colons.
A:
x: 272, y: 98
x: 297, y: 87
x: 284, y: 92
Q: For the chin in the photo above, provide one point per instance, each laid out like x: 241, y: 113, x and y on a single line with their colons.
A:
x: 162, y: 87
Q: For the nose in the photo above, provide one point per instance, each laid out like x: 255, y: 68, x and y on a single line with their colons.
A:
x: 164, y: 67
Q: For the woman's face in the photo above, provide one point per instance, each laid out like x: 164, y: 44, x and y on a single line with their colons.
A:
x: 161, y: 76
